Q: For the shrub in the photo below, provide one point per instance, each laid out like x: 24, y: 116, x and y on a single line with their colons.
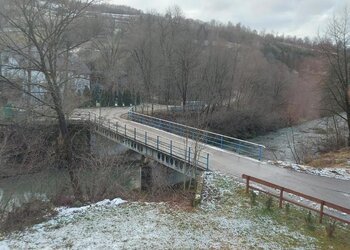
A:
x: 287, y: 208
x: 330, y: 229
x: 269, y: 203
x: 63, y: 197
x: 252, y: 198
x: 309, y: 221
x: 30, y: 213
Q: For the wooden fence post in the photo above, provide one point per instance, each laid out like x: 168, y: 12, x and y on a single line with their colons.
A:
x: 321, y: 211
x: 247, y: 185
x: 281, y: 197
x: 207, y: 162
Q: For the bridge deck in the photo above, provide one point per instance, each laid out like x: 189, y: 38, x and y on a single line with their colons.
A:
x: 328, y: 189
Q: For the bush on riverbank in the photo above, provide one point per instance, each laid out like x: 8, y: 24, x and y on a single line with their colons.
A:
x: 28, y: 214
x: 240, y: 124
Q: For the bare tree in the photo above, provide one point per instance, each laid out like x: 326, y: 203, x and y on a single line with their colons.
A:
x: 36, y: 32
x: 215, y: 75
x: 144, y: 52
x: 335, y: 47
x: 167, y: 55
x: 185, y: 63
x: 166, y: 39
x: 110, y: 54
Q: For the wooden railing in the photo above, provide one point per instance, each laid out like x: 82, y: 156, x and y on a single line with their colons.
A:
x: 281, y: 196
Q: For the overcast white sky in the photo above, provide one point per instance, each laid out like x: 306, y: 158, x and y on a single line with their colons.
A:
x: 291, y: 17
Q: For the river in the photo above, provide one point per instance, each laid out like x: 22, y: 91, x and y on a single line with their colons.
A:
x: 285, y: 143
x: 50, y: 182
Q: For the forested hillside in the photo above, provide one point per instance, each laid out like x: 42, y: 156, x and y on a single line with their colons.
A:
x: 248, y: 82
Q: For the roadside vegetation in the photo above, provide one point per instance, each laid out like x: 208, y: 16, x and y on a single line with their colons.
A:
x: 330, y: 234
x: 335, y: 159
x: 259, y: 206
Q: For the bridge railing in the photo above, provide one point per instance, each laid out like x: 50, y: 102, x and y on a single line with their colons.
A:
x: 239, y: 146
x: 191, y: 154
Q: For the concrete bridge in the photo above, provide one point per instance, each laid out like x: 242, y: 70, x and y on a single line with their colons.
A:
x: 187, y: 153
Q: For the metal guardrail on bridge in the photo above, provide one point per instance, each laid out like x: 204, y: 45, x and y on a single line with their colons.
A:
x: 171, y: 152
x: 239, y: 146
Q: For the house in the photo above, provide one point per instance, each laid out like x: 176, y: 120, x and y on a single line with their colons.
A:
x: 16, y: 69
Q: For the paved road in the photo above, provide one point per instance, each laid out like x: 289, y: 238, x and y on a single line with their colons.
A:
x: 328, y: 189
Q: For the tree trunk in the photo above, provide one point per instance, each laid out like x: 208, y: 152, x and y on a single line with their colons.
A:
x: 29, y: 77
x: 348, y: 114
x: 67, y: 156
x: 348, y: 121
x: 184, y: 100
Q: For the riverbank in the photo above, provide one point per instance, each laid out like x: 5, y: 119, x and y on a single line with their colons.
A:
x: 224, y: 220
x: 107, y: 177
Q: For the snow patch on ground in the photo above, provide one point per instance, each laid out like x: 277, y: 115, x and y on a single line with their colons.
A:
x: 220, y: 222
x: 338, y: 173
x: 68, y: 211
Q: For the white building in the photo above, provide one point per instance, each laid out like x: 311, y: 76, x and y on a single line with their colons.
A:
x: 16, y: 69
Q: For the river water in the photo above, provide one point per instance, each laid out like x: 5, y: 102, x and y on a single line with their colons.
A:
x: 15, y: 190
x: 286, y: 143
x: 52, y: 181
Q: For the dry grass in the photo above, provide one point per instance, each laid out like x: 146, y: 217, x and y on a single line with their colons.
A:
x: 335, y: 159
x: 174, y: 196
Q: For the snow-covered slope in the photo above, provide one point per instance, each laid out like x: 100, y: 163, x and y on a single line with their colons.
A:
x: 220, y: 222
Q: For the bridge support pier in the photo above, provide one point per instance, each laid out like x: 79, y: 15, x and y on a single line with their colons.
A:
x: 155, y: 176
